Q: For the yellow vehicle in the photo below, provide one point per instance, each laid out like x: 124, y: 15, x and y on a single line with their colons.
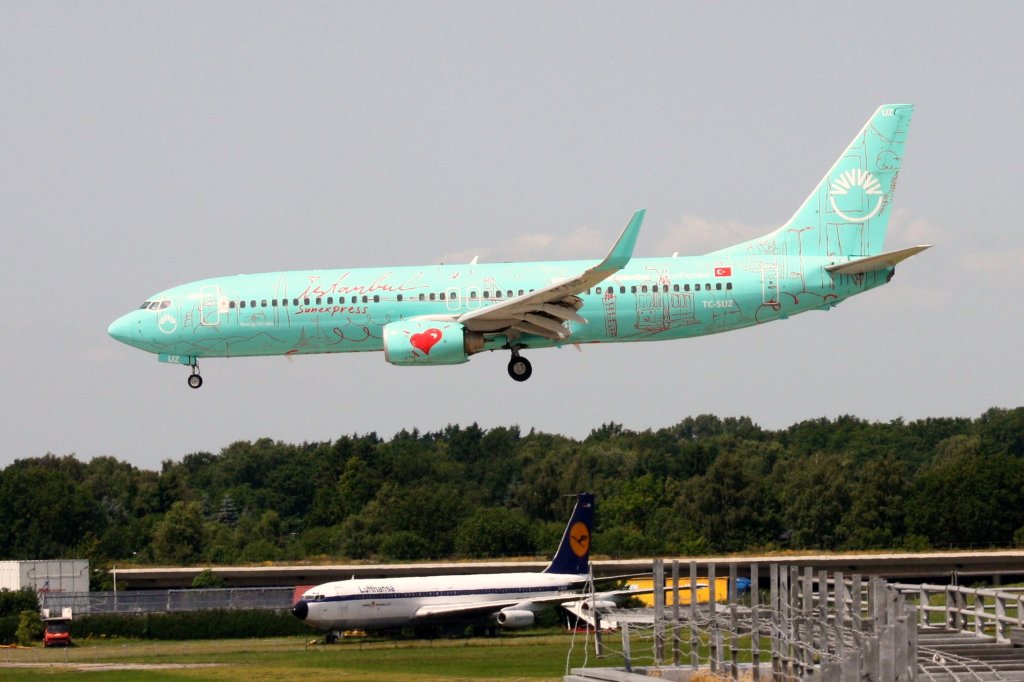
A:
x: 703, y: 591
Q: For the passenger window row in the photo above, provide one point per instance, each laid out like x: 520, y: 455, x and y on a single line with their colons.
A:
x: 655, y: 288
x: 450, y: 295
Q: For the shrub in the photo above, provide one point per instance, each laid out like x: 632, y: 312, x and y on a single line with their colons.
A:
x: 8, y: 629
x: 1018, y: 538
x: 207, y: 579
x: 13, y: 602
x: 30, y: 628
x: 213, y: 624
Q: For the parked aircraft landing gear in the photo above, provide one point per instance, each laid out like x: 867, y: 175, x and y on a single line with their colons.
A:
x: 194, y: 380
x: 519, y: 368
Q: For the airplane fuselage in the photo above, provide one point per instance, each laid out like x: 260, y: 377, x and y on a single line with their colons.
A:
x: 333, y: 311
x: 398, y: 602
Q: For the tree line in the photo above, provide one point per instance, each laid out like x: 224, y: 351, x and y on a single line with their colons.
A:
x: 704, y: 485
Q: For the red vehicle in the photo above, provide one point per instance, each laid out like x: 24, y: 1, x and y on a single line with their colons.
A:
x: 57, y: 632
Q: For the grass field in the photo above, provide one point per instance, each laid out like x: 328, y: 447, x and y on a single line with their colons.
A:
x: 535, y: 657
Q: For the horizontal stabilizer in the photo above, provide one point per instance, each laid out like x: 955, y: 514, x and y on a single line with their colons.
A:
x: 879, y: 262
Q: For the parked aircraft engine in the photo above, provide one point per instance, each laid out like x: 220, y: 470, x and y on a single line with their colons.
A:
x: 428, y: 342
x: 515, y: 618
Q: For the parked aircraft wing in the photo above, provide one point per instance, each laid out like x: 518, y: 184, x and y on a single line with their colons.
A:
x: 468, y: 609
x: 478, y: 608
x: 542, y: 312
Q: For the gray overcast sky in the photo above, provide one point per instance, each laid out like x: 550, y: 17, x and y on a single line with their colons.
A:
x: 153, y: 143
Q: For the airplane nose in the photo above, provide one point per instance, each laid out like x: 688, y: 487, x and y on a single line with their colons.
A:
x: 122, y: 328
x: 300, y: 610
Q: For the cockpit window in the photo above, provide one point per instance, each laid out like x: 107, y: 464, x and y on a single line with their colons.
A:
x: 156, y: 305
x: 165, y: 304
x: 144, y: 305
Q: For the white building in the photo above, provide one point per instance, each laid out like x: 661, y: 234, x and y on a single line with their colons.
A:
x: 46, y: 576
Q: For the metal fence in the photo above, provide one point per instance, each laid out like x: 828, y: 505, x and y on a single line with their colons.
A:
x: 166, y: 601
x: 994, y: 611
x: 807, y: 626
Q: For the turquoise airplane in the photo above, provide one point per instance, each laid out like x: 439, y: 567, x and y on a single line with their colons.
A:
x: 829, y: 250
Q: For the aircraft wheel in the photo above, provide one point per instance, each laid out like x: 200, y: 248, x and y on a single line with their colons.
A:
x: 519, y: 368
x: 195, y: 381
x: 331, y: 638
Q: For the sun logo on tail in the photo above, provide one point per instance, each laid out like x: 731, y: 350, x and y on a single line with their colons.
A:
x: 870, y: 188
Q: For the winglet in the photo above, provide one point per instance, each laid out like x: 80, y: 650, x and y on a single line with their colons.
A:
x: 620, y: 254
x: 573, y: 552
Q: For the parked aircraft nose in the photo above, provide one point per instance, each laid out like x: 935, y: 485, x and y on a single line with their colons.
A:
x: 300, y: 610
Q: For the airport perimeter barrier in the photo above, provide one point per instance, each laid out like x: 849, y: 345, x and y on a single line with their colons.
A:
x: 166, y: 601
x: 808, y: 625
x: 996, y: 611
x: 819, y: 626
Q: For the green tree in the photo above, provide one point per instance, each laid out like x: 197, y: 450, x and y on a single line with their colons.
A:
x: 404, y: 545
x: 228, y: 513
x: 731, y: 506
x: 1002, y: 431
x: 815, y: 492
x: 705, y: 483
x: 879, y: 498
x: 967, y: 497
x: 269, y: 528
x: 320, y: 541
x: 356, y: 487
x: 494, y: 532
x: 179, y: 537
x: 45, y: 511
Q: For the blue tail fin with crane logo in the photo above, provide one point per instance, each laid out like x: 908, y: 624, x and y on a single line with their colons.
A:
x: 573, y: 555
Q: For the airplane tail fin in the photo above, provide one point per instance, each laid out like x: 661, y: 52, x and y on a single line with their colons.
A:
x: 573, y: 555
x: 847, y: 214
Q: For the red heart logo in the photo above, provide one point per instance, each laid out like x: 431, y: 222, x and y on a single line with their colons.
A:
x: 425, y: 340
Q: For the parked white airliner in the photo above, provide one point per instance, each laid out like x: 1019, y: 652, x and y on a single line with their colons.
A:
x: 504, y: 599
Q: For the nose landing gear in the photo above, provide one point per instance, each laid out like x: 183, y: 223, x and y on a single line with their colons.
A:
x: 194, y: 380
x: 519, y: 368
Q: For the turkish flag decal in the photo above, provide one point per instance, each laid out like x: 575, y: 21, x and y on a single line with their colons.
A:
x: 723, y: 272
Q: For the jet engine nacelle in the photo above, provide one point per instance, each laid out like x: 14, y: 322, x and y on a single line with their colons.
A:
x: 515, y: 618
x: 597, y: 605
x: 428, y: 342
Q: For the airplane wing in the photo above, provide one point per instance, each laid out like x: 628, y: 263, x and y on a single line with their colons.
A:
x: 883, y: 260
x: 544, y: 311
x: 484, y: 608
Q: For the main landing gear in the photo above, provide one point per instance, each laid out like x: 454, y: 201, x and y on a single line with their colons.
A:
x: 194, y: 380
x: 519, y: 368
